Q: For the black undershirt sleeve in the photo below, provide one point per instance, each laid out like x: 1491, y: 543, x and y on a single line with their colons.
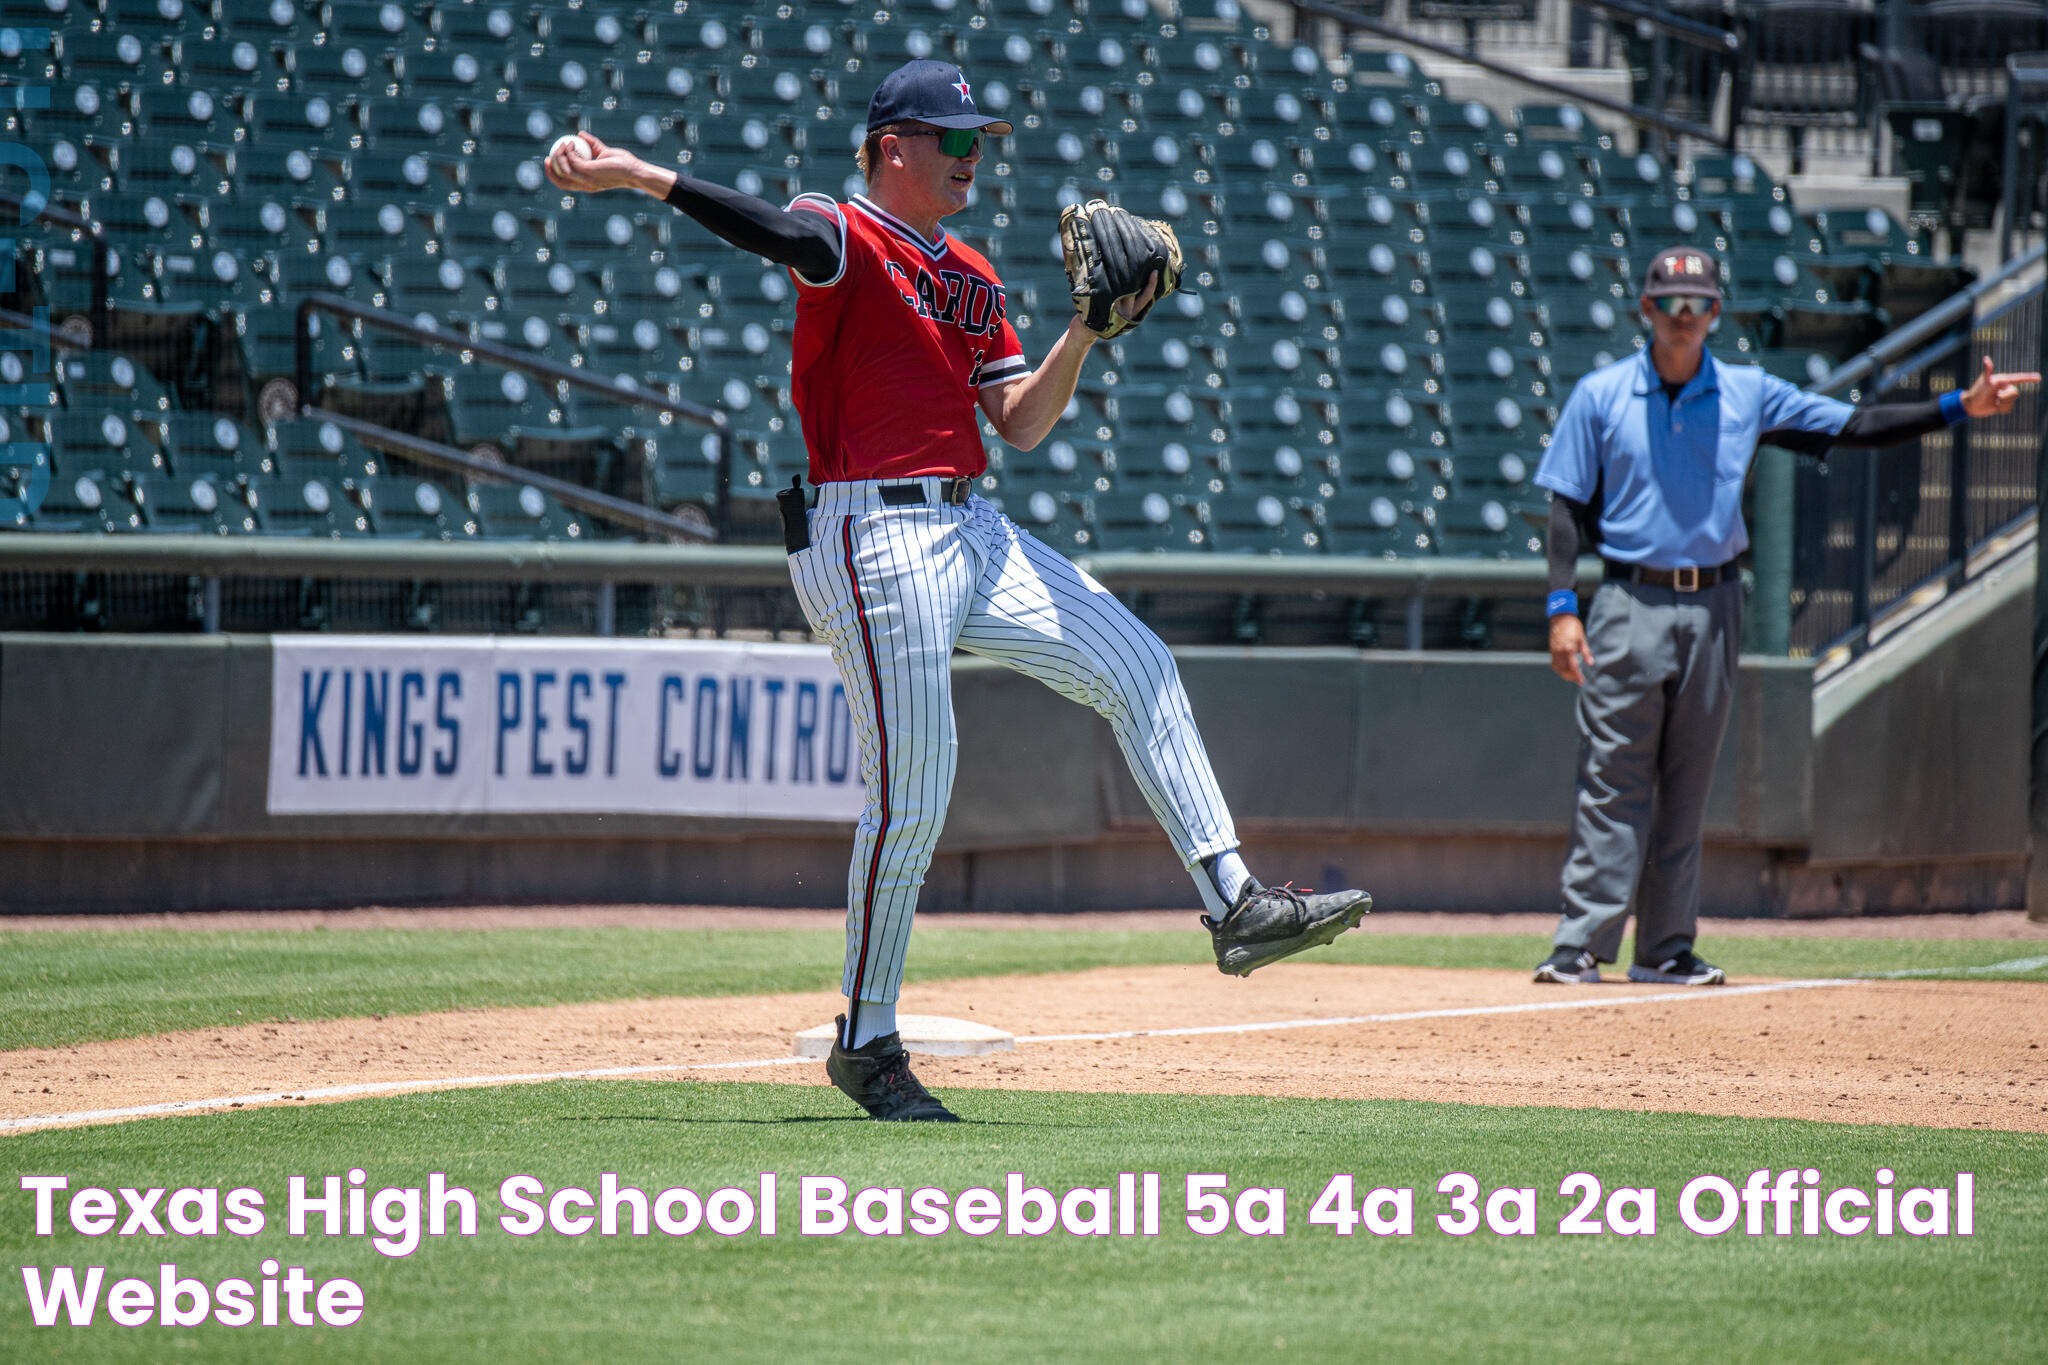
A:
x: 807, y: 243
x: 1882, y: 424
x: 1571, y: 528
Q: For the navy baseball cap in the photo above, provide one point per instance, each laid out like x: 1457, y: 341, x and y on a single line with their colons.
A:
x: 927, y: 91
x: 1682, y: 270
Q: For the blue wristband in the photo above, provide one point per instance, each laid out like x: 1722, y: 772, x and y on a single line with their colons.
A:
x: 1952, y: 408
x: 1563, y: 602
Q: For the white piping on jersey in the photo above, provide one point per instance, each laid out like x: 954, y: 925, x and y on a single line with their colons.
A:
x: 827, y: 202
x: 935, y: 248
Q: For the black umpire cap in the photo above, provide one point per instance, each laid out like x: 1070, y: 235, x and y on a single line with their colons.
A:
x: 1682, y: 270
x: 927, y: 91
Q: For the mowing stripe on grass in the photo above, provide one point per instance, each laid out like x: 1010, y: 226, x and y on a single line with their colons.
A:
x: 34, y: 1121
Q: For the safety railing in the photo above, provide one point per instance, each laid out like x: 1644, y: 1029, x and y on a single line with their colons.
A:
x: 471, y: 349
x: 1879, y: 532
x: 394, y: 582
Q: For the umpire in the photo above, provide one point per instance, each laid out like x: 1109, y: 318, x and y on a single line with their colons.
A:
x: 1648, y: 464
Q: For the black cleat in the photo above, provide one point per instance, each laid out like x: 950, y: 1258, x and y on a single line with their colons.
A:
x: 1687, y: 969
x: 1569, y: 967
x: 876, y: 1076
x: 1272, y: 922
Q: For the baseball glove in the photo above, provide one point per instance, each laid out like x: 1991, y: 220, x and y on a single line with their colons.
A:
x: 1110, y: 255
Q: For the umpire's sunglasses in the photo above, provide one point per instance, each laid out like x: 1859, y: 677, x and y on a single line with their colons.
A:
x: 1684, y: 305
x: 952, y: 141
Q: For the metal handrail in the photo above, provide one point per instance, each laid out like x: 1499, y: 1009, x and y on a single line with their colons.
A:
x: 1685, y: 30
x: 1958, y: 308
x: 1635, y: 113
x: 537, y: 366
x: 733, y: 566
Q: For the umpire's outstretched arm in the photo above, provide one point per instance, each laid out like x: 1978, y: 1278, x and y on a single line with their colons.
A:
x: 805, y: 242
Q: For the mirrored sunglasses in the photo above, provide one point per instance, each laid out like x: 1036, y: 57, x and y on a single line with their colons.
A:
x: 1685, y: 305
x: 952, y: 141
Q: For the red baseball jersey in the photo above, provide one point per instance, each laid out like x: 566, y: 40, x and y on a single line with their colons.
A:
x: 891, y: 353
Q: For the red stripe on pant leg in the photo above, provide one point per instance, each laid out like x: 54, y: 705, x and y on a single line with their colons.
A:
x: 867, y: 645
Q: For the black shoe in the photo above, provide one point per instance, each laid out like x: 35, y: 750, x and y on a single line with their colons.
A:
x: 876, y: 1076
x: 1272, y: 922
x: 1687, y: 969
x: 1570, y: 966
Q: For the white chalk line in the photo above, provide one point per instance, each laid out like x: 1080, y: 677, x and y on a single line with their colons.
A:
x: 366, y: 1088
x: 1695, y: 993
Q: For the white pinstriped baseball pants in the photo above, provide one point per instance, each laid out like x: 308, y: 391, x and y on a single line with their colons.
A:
x: 893, y: 590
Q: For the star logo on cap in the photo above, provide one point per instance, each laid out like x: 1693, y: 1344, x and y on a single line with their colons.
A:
x: 962, y: 87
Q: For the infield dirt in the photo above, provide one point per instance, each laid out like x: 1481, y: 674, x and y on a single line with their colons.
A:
x: 1932, y: 1053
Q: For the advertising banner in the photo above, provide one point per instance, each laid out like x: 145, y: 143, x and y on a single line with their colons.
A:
x: 384, y: 725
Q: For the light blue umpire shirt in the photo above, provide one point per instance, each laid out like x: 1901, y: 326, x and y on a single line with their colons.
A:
x: 1670, y: 472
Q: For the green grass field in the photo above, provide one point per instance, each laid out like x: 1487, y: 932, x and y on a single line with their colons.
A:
x: 1307, y: 1294
x: 69, y: 987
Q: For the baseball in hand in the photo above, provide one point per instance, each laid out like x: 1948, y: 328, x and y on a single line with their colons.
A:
x: 572, y: 146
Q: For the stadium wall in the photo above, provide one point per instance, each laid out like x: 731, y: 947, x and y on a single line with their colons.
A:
x: 133, y: 776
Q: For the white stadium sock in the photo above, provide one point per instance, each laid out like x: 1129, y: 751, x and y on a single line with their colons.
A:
x: 869, y: 1020
x: 1221, y: 880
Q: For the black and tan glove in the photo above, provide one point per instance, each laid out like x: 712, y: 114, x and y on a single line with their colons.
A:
x: 1111, y: 254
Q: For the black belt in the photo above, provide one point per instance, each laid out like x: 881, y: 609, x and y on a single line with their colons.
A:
x: 1688, y: 579
x: 952, y: 492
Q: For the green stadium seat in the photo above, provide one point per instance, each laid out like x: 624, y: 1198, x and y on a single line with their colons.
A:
x: 339, y: 71
x: 309, y: 446
x: 298, y: 120
x: 1146, y: 521
x: 185, y: 115
x: 484, y: 405
x: 75, y: 173
x: 371, y: 229
x: 555, y: 291
x: 85, y: 502
x: 85, y: 113
x: 419, y: 180
x: 65, y: 274
x: 218, y: 276
x: 522, y: 512
x: 477, y: 27
x: 378, y: 25
x: 1284, y: 468
x: 203, y: 506
x: 474, y: 235
x: 265, y: 21
x: 1057, y: 521
x: 555, y: 82
x: 660, y: 87
x: 450, y: 76
x: 101, y: 443
x: 275, y: 171
x: 173, y: 168
x: 227, y: 66
x: 134, y: 59
x: 111, y: 381
x: 1481, y: 528
x: 404, y: 507
x: 324, y: 273
x: 213, y: 443
x: 398, y: 127
x: 314, y: 506
x: 1372, y: 527
x: 1261, y: 524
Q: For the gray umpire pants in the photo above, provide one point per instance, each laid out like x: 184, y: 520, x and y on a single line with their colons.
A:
x: 1652, y: 713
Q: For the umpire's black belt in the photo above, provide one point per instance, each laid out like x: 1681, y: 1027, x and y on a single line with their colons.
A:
x: 953, y: 492
x: 1691, y: 578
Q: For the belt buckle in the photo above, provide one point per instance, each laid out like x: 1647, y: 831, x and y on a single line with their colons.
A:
x: 955, y: 490
x: 1686, y: 579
